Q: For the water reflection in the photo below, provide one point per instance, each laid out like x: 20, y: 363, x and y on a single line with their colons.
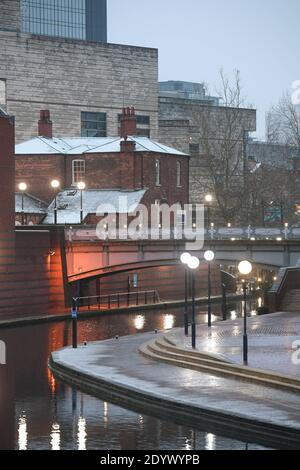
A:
x: 210, y: 442
x: 55, y: 437
x: 82, y: 434
x: 22, y: 433
x: 45, y: 413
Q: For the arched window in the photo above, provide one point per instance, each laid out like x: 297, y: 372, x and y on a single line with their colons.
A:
x: 178, y: 173
x: 78, y: 171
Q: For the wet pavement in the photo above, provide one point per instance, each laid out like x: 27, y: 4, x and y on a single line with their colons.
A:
x: 118, y: 362
x: 274, y: 342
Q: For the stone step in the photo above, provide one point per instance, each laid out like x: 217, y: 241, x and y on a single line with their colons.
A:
x: 161, y: 349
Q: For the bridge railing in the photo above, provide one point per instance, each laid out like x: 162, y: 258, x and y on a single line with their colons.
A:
x: 117, y: 300
x: 214, y: 233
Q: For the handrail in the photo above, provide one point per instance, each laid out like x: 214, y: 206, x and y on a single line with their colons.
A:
x: 152, y: 295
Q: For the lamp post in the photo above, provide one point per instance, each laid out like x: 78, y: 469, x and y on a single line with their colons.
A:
x: 193, y: 264
x: 245, y: 268
x: 208, y: 200
x: 209, y: 256
x: 184, y: 258
x: 55, y: 185
x: 81, y: 186
x: 22, y: 188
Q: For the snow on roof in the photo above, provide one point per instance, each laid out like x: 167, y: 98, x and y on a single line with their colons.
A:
x: 32, y: 205
x: 77, y: 146
x: 110, y: 201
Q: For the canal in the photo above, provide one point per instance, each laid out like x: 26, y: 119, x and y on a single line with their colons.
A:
x: 38, y: 412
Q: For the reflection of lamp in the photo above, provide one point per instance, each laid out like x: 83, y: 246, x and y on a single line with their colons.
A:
x: 139, y: 322
x: 168, y: 322
x: 245, y: 268
x: 208, y: 200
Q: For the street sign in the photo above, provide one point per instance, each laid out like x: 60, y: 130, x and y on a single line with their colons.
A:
x: 74, y: 313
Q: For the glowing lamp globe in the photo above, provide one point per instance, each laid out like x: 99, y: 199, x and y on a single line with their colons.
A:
x: 193, y: 263
x: 208, y: 198
x: 185, y: 258
x: 245, y: 268
x: 22, y: 186
x: 55, y: 184
x: 209, y: 256
x: 81, y: 185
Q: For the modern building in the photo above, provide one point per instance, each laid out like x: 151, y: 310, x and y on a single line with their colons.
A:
x: 186, y: 90
x: 83, y: 82
x: 74, y: 19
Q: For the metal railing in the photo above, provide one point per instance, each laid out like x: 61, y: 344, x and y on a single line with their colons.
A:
x: 118, y: 300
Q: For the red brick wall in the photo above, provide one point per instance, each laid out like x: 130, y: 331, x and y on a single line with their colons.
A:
x: 38, y: 171
x: 106, y: 171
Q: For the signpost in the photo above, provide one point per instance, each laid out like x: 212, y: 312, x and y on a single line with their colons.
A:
x: 74, y: 313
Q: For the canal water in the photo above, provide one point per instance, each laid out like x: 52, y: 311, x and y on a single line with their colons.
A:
x: 38, y: 412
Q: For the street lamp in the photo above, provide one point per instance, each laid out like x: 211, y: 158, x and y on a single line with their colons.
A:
x: 22, y: 188
x: 185, y: 258
x: 209, y: 256
x: 193, y: 264
x: 245, y: 268
x: 81, y: 186
x: 208, y: 200
x: 55, y: 185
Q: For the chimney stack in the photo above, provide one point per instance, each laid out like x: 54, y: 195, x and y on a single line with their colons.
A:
x: 45, y: 124
x: 128, y: 123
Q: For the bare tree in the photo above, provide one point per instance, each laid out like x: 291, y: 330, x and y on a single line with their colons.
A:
x: 283, y: 122
x: 222, y: 137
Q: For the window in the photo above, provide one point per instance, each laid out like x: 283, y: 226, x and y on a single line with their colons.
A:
x: 93, y: 124
x: 3, y: 94
x: 157, y: 173
x: 178, y: 173
x: 194, y: 149
x: 78, y: 171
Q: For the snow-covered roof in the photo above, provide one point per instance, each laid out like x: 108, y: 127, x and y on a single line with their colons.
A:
x: 94, y: 201
x: 32, y: 205
x: 81, y: 145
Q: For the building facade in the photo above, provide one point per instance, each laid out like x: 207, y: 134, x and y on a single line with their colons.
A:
x: 84, y: 84
x: 74, y: 19
x: 196, y: 124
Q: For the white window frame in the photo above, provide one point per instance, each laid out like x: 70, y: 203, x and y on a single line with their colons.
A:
x: 178, y: 174
x: 157, y: 172
x: 77, y: 180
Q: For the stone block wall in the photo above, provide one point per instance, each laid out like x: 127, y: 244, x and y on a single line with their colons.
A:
x: 71, y: 76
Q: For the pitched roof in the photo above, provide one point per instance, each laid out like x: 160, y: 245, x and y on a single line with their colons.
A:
x: 111, y: 201
x: 81, y: 145
x: 32, y: 205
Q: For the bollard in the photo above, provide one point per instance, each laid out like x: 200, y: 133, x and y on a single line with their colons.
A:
x: 74, y: 324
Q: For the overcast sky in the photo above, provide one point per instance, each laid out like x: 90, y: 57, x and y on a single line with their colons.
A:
x: 197, y: 38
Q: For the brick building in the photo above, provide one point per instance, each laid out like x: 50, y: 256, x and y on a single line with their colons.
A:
x: 124, y: 164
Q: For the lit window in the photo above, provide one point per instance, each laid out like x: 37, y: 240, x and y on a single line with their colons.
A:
x: 78, y: 171
x: 178, y: 164
x: 93, y: 124
x: 157, y: 173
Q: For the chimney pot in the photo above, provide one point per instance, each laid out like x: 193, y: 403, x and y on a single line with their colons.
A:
x: 128, y: 123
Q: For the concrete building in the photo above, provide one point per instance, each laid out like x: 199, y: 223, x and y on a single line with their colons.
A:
x: 83, y: 83
x: 196, y: 124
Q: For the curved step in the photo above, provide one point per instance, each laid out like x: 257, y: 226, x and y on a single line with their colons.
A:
x: 156, y: 350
